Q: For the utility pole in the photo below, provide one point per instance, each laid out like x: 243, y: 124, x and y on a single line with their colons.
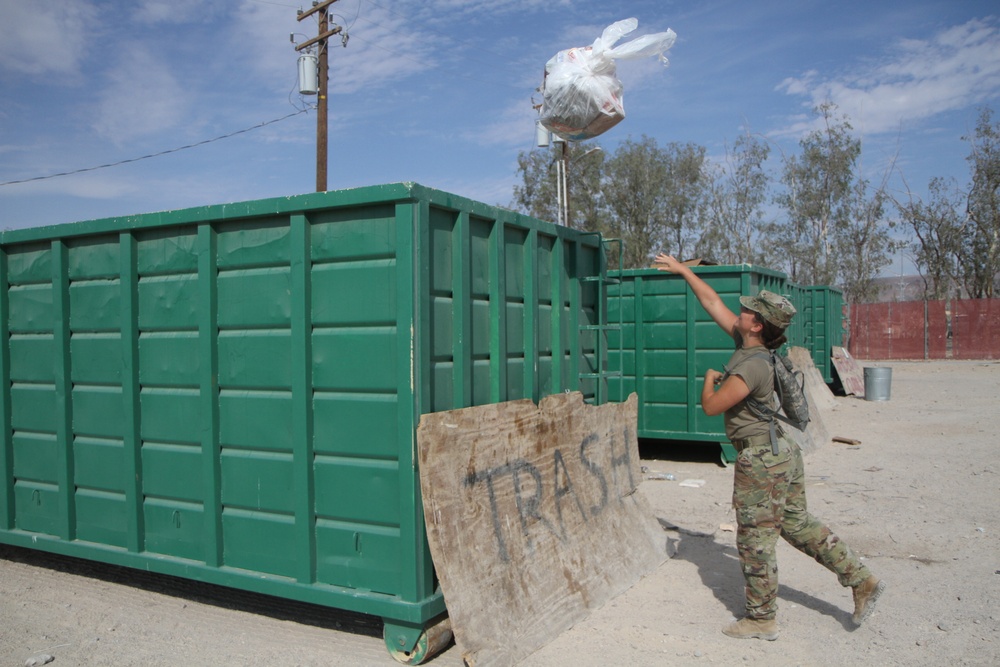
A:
x: 322, y: 128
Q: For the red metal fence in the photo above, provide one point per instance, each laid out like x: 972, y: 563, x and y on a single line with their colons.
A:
x: 951, y: 329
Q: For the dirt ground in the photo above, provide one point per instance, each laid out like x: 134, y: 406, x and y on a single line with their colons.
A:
x: 917, y: 499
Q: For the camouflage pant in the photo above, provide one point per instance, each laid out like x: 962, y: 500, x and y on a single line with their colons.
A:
x: 769, y: 497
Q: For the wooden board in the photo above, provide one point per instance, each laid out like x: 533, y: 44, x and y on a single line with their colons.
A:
x: 820, y: 399
x: 533, y: 518
x: 851, y: 377
x: 819, y: 393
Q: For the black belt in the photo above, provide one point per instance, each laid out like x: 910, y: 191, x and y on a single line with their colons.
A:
x: 753, y: 441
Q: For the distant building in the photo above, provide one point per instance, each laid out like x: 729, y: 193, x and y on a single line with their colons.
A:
x: 907, y: 288
x: 900, y: 288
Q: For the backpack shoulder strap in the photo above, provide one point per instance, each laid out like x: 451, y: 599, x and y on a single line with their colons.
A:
x: 764, y: 411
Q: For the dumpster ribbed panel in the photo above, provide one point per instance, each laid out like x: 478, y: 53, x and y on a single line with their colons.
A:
x: 66, y: 509
x: 130, y: 389
x: 204, y: 526
x: 6, y: 432
x: 231, y: 393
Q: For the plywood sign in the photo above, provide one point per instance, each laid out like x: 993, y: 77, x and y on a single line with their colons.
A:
x: 848, y: 371
x: 533, y: 518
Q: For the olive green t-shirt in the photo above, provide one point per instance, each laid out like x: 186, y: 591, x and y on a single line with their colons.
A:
x: 755, y: 370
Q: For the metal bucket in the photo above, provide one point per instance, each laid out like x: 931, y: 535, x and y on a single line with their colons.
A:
x: 878, y: 383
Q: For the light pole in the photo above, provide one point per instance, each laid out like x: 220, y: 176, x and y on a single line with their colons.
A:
x: 562, y: 173
x: 542, y: 137
x: 562, y: 161
x: 562, y: 184
x: 590, y: 151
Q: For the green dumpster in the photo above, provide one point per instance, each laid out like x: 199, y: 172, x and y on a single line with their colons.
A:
x: 824, y: 322
x: 230, y: 394
x: 799, y: 334
x: 668, y: 341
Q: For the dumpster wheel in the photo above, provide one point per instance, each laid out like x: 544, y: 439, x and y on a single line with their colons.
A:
x: 432, y: 641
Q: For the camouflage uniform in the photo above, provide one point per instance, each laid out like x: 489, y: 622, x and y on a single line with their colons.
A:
x: 769, y: 493
x: 769, y: 497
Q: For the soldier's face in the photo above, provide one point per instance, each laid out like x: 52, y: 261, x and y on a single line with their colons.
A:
x: 747, y: 321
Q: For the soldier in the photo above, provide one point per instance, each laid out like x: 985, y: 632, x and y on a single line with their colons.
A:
x: 768, y: 488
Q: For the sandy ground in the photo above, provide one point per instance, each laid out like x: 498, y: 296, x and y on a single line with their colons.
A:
x: 917, y: 499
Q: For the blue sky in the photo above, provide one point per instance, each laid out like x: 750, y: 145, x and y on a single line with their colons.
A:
x: 440, y: 92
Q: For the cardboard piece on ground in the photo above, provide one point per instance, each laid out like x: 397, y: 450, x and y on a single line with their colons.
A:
x: 533, y: 518
x: 851, y: 377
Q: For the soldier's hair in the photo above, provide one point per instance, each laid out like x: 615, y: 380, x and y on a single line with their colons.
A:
x: 772, y: 335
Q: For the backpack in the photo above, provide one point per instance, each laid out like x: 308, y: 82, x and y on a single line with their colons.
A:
x: 789, y: 384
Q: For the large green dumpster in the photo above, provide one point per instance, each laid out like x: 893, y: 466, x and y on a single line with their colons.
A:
x: 230, y: 393
x: 668, y: 341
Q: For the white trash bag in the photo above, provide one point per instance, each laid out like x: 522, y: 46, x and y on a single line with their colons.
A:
x: 581, y: 94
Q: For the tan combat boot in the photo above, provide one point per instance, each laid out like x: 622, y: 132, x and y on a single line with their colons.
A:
x: 752, y: 628
x: 866, y: 594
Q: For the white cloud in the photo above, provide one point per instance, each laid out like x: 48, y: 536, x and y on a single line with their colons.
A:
x: 172, y: 11
x: 801, y: 85
x: 96, y: 185
x: 954, y: 69
x: 382, y: 47
x: 496, y: 6
x: 513, y: 127
x: 142, y: 97
x: 43, y: 38
x: 261, y: 39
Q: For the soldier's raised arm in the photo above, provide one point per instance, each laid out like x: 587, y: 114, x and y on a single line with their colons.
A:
x: 707, y: 297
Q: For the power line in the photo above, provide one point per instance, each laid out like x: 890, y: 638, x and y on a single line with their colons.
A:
x: 161, y: 153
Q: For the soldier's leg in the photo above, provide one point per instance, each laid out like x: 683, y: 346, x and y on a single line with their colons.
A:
x: 759, y: 488
x: 811, y: 536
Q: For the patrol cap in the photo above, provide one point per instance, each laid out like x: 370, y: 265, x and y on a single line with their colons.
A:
x: 774, y: 308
